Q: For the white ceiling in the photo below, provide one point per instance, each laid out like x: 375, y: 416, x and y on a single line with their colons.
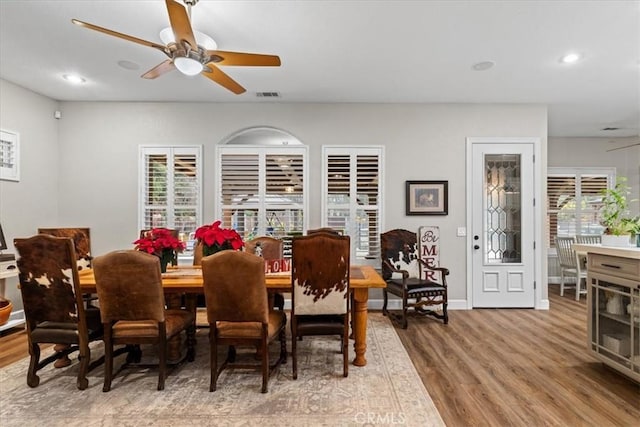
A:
x: 350, y: 51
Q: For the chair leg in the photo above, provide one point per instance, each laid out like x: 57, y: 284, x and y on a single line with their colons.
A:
x: 265, y: 362
x: 32, y: 378
x: 108, y: 360
x: 561, y: 282
x: 85, y: 358
x: 445, y: 313
x: 345, y: 349
x: 162, y: 356
x: 294, y: 339
x: 405, y: 324
x: 213, y: 359
x: 385, y: 300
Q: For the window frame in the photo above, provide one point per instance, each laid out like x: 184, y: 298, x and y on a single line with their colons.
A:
x: 353, y: 151
x: 262, y: 206
x: 576, y: 173
x: 170, y: 151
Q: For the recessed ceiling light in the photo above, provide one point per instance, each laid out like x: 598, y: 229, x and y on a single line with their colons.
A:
x: 484, y: 65
x: 73, y: 78
x: 571, y: 58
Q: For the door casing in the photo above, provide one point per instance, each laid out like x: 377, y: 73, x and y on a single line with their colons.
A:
x: 538, y: 177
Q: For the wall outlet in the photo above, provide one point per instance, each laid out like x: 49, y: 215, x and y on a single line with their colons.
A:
x: 462, y: 231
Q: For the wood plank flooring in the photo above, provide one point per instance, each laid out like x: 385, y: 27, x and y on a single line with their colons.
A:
x: 517, y: 367
x: 502, y: 367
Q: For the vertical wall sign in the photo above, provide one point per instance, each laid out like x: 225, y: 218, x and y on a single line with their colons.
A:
x: 429, y: 246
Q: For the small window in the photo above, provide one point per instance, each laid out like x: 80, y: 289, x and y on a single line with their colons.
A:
x: 9, y: 156
x: 574, y: 199
x: 352, y: 197
x: 171, y: 188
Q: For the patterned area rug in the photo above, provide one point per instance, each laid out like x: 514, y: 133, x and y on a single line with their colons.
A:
x: 387, y: 391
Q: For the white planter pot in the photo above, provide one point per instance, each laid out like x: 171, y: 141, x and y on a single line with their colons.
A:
x: 616, y: 241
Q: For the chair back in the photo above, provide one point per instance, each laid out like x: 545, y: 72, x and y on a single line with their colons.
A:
x: 320, y: 274
x: 81, y: 242
x: 566, y: 254
x: 269, y: 247
x: 325, y: 230
x: 49, y: 283
x: 129, y: 286
x: 589, y: 238
x: 234, y: 287
x: 399, y: 250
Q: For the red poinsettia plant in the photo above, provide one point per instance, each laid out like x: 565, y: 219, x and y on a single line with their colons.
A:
x: 156, y: 240
x: 214, y: 238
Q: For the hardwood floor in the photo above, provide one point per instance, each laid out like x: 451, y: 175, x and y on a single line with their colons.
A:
x: 506, y: 367
x: 517, y: 367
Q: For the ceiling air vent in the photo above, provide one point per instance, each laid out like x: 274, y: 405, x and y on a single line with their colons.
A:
x: 267, y: 94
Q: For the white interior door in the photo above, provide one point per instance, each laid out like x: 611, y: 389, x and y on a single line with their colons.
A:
x: 502, y: 225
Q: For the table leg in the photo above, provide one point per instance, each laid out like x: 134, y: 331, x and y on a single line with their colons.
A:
x: 175, y: 343
x: 359, y: 316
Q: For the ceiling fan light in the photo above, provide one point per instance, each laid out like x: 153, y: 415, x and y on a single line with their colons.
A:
x: 188, y: 66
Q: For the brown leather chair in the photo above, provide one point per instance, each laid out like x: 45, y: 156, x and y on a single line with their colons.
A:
x: 238, y: 311
x: 320, y: 290
x: 53, y: 305
x: 400, y: 253
x: 132, y: 308
x: 268, y: 248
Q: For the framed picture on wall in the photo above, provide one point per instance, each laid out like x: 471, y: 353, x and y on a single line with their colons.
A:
x: 427, y: 197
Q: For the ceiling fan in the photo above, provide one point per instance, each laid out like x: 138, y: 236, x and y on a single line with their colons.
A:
x: 187, y: 56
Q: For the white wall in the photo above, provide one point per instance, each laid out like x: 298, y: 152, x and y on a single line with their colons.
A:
x: 33, y: 201
x: 99, y: 149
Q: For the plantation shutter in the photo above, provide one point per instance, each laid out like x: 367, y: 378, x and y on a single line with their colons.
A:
x: 262, y: 190
x: 574, y: 199
x: 170, y: 188
x: 352, y: 197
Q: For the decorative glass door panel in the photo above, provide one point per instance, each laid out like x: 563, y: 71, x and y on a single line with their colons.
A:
x: 503, y: 219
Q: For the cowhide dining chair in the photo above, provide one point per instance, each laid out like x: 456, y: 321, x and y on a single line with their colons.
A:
x: 403, y: 270
x: 320, y: 291
x: 53, y: 305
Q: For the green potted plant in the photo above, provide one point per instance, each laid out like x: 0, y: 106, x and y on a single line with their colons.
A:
x: 615, y: 215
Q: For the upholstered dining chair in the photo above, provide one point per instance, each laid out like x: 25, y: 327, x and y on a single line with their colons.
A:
x: 238, y: 312
x: 53, y: 305
x: 132, y: 308
x: 570, y: 266
x: 320, y: 291
x: 269, y: 248
x: 402, y: 269
x: 81, y: 237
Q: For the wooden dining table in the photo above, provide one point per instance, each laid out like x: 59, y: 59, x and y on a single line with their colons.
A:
x: 188, y: 280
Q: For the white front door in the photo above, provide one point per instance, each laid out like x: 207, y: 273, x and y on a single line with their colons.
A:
x: 502, y: 224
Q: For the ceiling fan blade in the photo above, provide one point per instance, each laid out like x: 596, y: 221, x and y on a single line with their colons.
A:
x: 243, y: 59
x: 120, y: 35
x: 158, y: 70
x: 180, y: 23
x: 218, y: 76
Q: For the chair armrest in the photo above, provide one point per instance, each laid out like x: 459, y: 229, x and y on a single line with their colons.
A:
x: 391, y: 267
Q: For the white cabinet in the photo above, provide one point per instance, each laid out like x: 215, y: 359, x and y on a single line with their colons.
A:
x: 614, y: 311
